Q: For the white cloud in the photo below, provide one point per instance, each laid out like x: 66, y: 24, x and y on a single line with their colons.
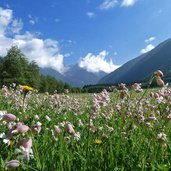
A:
x: 96, y: 63
x: 108, y: 4
x: 45, y: 52
x: 5, y: 19
x: 5, y: 44
x: 148, y: 48
x: 90, y: 14
x: 67, y: 54
x: 16, y: 25
x: 150, y: 39
x: 32, y: 20
x: 127, y: 3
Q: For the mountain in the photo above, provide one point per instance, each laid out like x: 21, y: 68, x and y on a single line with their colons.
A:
x: 75, y: 75
x: 143, y: 66
x: 53, y: 73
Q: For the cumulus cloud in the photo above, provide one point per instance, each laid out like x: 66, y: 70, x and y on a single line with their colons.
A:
x: 96, y: 63
x: 90, y: 14
x: 16, y: 25
x: 45, y: 53
x: 148, y: 48
x: 5, y: 44
x: 150, y: 39
x: 108, y: 4
x: 5, y: 19
x: 127, y: 3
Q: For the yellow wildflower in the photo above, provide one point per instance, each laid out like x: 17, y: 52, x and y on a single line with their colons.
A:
x: 97, y: 141
x: 27, y: 88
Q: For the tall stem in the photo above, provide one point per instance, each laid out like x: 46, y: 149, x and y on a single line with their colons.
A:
x: 149, y: 83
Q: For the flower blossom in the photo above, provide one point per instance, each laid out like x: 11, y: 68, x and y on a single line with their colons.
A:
x: 159, y: 81
x: 24, y: 153
x: 8, y: 117
x: 36, y: 128
x: 70, y: 129
x: 26, y: 143
x: 137, y: 87
x: 19, y: 128
x: 97, y: 141
x: 162, y: 137
x: 56, y: 130
x: 27, y: 88
x: 159, y: 73
x: 12, y: 164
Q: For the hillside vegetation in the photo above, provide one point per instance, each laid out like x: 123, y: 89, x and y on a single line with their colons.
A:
x: 15, y: 68
x: 141, y: 68
x: 123, y: 130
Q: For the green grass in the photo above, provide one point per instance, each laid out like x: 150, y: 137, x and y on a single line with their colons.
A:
x: 132, y: 145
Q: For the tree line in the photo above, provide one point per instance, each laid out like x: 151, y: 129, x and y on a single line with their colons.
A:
x: 15, y: 68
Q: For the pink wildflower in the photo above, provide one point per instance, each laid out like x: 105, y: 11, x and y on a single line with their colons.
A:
x: 19, y: 128
x: 12, y: 164
x: 9, y: 117
x: 26, y: 143
x: 57, y: 130
x: 70, y: 128
x: 36, y: 128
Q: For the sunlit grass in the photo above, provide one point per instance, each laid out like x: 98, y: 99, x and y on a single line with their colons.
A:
x: 116, y: 131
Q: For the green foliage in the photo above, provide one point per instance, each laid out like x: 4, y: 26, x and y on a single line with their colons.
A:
x: 33, y: 76
x: 15, y: 68
x: 134, y: 137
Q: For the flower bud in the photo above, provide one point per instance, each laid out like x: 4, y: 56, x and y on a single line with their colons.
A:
x: 9, y: 117
x: 19, y: 128
x: 151, y: 118
x: 36, y: 128
x: 12, y: 164
x: 70, y: 128
x: 26, y: 143
x: 159, y: 82
x: 22, y: 128
x: 159, y: 73
x: 169, y: 117
x: 162, y: 137
x: 57, y: 130
x: 48, y: 118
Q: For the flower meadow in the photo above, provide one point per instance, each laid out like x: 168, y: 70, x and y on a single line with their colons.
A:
x: 127, y: 129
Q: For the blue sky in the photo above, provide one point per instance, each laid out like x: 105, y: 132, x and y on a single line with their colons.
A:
x: 100, y: 35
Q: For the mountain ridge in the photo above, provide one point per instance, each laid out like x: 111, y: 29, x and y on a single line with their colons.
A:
x: 75, y: 75
x: 142, y: 66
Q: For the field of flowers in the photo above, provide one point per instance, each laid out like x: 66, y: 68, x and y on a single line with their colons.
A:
x: 127, y: 129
